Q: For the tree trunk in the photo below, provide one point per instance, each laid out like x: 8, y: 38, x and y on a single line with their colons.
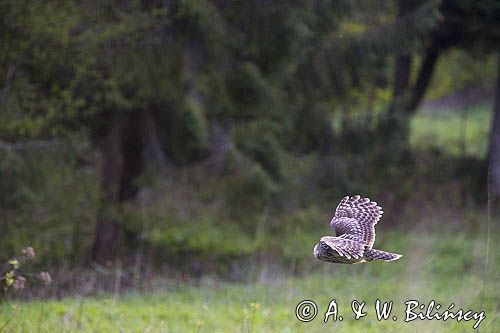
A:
x: 494, y: 148
x: 402, y: 72
x: 402, y: 66
x: 105, y: 243
x: 221, y: 146
x: 153, y: 154
x: 395, y: 128
x: 132, y: 140
x: 122, y: 163
x: 423, y: 79
x: 191, y: 58
x: 405, y: 98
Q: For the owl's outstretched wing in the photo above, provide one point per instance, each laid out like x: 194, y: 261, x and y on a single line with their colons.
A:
x: 345, y: 247
x: 355, y: 219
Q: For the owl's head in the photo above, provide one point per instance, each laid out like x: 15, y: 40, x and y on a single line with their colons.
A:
x: 321, y: 251
x: 317, y: 251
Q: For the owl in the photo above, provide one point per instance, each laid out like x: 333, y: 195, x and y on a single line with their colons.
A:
x: 354, y: 225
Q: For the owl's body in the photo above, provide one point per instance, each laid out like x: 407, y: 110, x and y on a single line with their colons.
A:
x: 354, y: 225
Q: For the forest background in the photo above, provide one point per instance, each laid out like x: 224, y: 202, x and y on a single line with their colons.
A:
x: 150, y: 142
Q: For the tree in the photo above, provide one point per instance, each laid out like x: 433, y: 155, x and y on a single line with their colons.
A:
x: 494, y: 146
x: 179, y: 83
x: 457, y: 24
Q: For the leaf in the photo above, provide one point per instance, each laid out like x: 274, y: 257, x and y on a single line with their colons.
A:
x: 9, y: 280
x: 14, y: 262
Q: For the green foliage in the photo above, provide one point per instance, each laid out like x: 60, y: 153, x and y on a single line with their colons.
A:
x: 187, y: 135
x: 336, y: 175
x: 305, y: 225
x: 257, y: 140
x: 459, y: 71
x: 300, y: 90
x: 202, y: 237
x: 249, y: 190
x: 442, y: 266
x: 38, y: 210
x: 37, y: 98
x: 312, y: 130
x: 250, y: 92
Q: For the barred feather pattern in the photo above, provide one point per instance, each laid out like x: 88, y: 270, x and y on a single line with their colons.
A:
x: 355, y: 218
x: 354, y: 225
x: 372, y: 254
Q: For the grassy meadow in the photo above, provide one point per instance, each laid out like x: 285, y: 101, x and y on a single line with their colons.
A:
x: 458, y: 132
x: 442, y: 264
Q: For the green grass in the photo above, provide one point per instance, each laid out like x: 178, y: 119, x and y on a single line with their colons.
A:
x: 454, y: 131
x: 447, y: 267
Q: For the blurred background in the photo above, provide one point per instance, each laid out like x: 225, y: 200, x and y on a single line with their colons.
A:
x: 196, y: 138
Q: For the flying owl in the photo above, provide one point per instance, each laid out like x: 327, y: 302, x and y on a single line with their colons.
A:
x: 354, y: 225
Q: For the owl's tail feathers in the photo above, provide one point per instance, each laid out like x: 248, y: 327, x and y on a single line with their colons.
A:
x: 372, y: 254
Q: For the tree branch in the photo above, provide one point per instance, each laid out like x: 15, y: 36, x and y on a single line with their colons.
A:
x: 26, y: 145
x: 423, y: 79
